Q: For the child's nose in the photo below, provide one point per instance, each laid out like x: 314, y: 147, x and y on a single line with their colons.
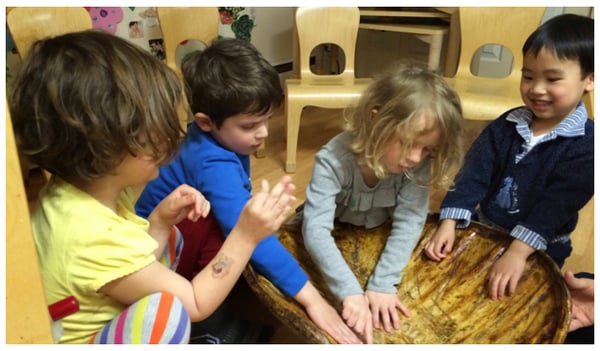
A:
x: 538, y: 87
x: 415, y: 156
x: 262, y: 132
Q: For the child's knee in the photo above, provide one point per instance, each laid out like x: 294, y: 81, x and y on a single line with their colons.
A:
x: 175, y: 318
x: 172, y: 324
x: 158, y: 318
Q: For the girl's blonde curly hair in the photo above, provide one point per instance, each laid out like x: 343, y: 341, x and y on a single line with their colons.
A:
x: 387, y: 109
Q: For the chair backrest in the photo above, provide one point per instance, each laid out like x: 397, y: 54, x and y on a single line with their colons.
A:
x: 29, y: 24
x: 179, y: 24
x: 327, y: 25
x: 27, y: 319
x: 588, y: 99
x: 506, y: 26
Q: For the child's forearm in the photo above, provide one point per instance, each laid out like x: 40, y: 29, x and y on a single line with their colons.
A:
x: 159, y: 230
x: 520, y: 249
x: 307, y: 294
x: 222, y: 272
x: 447, y: 224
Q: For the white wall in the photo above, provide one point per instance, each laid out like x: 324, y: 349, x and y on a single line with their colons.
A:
x: 272, y: 34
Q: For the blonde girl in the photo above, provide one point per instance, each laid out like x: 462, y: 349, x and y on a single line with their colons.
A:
x: 403, y: 137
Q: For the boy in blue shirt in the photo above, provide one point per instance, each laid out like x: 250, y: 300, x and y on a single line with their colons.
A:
x: 532, y: 169
x: 232, y: 91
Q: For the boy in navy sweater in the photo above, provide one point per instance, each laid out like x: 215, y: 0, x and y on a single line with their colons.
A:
x: 532, y: 169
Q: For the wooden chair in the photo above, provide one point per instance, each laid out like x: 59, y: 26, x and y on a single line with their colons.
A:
x: 486, y: 98
x: 27, y: 318
x: 315, y: 26
x: 179, y: 24
x: 582, y: 257
x: 29, y: 24
x: 588, y: 99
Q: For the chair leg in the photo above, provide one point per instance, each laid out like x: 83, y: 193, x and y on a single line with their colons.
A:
x: 435, y: 51
x: 435, y: 42
x: 293, y: 113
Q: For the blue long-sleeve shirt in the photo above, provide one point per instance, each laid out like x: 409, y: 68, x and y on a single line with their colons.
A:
x: 534, y: 193
x: 223, y: 177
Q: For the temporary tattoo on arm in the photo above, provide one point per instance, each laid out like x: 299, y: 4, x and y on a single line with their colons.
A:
x: 221, y: 266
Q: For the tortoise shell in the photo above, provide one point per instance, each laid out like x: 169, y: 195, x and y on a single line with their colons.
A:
x: 448, y: 300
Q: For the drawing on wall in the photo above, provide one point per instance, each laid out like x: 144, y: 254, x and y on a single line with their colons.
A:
x: 157, y: 48
x: 106, y: 18
x: 135, y: 29
x: 150, y: 16
x: 238, y: 21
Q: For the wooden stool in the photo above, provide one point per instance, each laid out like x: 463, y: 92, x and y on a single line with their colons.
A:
x: 430, y: 33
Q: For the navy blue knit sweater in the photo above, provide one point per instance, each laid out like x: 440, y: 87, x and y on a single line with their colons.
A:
x: 535, y: 194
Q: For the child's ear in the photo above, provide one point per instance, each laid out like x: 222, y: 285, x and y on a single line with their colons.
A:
x: 589, y: 82
x: 203, y: 121
x: 374, y: 113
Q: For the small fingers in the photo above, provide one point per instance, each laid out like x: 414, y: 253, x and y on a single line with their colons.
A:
x: 512, y: 285
x: 575, y: 324
x: 433, y: 252
x: 368, y: 334
x: 385, y: 319
x: 375, y: 316
x: 493, y: 288
x: 202, y: 206
x: 403, y: 309
x: 351, y: 319
x: 279, y: 197
x: 395, y: 320
x: 196, y: 205
x: 497, y: 286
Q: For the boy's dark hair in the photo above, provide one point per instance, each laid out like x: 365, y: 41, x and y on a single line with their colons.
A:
x: 82, y: 101
x: 230, y: 77
x: 570, y: 36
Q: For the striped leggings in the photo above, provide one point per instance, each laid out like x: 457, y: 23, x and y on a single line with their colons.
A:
x: 159, y: 318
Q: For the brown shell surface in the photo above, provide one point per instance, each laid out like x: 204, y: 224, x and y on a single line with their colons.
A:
x: 448, y: 300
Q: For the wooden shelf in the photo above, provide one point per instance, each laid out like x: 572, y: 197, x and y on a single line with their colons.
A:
x: 404, y: 13
x: 422, y: 29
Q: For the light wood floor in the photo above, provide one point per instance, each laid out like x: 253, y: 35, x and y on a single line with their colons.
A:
x: 317, y: 126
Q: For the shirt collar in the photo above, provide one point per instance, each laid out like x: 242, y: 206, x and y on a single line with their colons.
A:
x: 572, y: 126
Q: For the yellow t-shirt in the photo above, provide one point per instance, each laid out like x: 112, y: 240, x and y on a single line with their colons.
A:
x: 83, y: 245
